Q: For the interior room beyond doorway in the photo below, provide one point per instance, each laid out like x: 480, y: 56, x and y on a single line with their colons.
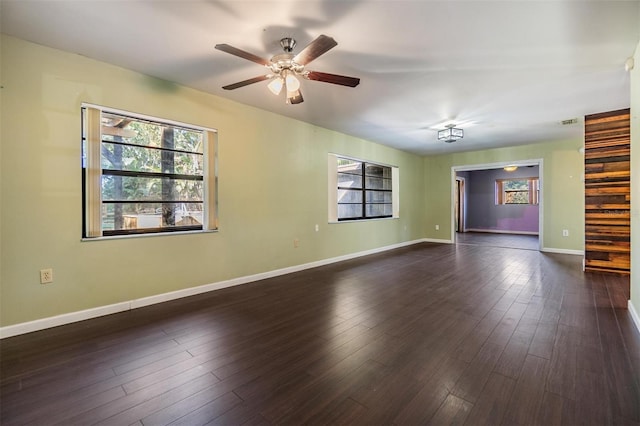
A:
x: 498, y: 205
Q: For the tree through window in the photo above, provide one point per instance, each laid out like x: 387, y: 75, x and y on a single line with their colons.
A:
x: 517, y: 191
x: 144, y: 175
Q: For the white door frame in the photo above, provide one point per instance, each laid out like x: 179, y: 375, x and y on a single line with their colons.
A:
x: 462, y: 207
x: 520, y: 163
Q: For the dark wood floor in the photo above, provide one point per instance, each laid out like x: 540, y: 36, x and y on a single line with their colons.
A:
x: 440, y: 334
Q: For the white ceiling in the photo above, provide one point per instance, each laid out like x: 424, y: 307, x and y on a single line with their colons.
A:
x: 506, y: 71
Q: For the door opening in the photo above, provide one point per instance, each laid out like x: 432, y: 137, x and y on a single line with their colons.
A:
x: 459, y: 209
x: 476, y: 217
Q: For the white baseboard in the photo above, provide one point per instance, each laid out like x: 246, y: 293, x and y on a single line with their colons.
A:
x: 634, y: 315
x: 500, y: 231
x: 562, y: 251
x: 435, y: 240
x: 55, y: 321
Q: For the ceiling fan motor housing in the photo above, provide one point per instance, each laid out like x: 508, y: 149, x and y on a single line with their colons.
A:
x: 284, y: 61
x: 287, y: 44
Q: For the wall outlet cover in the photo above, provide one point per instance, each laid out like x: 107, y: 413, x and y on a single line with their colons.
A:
x: 46, y: 276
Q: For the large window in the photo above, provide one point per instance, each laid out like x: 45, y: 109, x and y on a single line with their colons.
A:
x: 363, y: 190
x: 517, y: 191
x: 144, y: 175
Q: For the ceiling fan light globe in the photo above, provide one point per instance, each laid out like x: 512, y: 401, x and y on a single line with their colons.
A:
x: 293, y: 84
x: 294, y: 98
x: 275, y: 86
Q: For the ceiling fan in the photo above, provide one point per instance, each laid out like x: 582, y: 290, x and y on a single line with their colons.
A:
x: 284, y: 68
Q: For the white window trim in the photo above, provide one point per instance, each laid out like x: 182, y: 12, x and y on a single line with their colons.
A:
x: 93, y: 196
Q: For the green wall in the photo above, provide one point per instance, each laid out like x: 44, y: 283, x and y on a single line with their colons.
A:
x: 272, y: 189
x: 635, y: 182
x: 562, y: 190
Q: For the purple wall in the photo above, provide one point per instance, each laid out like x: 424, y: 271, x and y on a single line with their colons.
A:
x: 482, y: 211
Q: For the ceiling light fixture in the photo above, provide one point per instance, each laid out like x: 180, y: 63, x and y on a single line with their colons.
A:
x: 293, y: 84
x: 294, y: 97
x: 510, y: 168
x: 450, y: 134
x: 276, y: 85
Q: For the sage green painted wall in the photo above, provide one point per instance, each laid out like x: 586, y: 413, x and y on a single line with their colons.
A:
x: 635, y: 182
x: 562, y: 191
x: 272, y: 189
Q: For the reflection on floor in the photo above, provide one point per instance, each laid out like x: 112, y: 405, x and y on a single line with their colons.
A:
x: 525, y: 242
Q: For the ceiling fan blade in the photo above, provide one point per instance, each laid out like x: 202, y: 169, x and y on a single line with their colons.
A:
x: 295, y: 97
x: 342, y: 80
x: 317, y: 47
x: 246, y: 82
x: 242, y: 54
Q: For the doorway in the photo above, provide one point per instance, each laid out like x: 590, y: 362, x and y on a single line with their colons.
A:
x: 480, y: 216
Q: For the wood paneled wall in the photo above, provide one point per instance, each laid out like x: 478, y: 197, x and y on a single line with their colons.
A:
x: 607, y: 163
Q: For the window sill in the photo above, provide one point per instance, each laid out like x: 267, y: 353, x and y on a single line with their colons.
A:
x: 157, y: 234
x: 331, y: 222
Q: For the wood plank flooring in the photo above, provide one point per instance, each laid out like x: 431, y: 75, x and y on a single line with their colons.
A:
x: 427, y: 334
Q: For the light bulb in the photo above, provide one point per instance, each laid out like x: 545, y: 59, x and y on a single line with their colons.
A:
x: 292, y: 82
x: 276, y: 85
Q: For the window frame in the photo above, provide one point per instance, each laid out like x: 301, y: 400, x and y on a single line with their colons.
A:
x: 533, y: 189
x: 334, y: 189
x: 93, y: 172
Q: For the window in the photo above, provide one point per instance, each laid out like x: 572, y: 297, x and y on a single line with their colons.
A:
x: 517, y: 191
x: 363, y: 190
x: 144, y: 175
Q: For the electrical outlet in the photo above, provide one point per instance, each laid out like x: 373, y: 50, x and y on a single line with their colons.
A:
x: 46, y: 276
x: 296, y: 243
x: 317, y: 227
x: 437, y: 227
x: 565, y: 232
